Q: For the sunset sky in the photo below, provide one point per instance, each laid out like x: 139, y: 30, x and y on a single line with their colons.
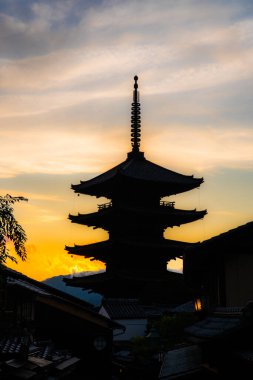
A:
x: 66, y: 77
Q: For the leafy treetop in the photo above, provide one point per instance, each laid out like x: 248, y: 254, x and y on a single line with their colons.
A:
x: 11, y: 230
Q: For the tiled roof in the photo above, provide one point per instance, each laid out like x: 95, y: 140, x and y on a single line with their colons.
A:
x: 120, y: 308
x: 167, y: 288
x: 167, y: 216
x: 102, y: 277
x: 214, y: 327
x: 27, y: 285
x: 15, y: 346
x: 143, y: 170
x: 169, y: 247
x: 241, y: 235
x: 46, y: 294
x: 170, y: 279
x: 180, y: 362
x: 187, y: 307
x: 24, y: 359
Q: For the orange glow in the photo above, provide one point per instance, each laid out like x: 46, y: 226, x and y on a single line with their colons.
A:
x: 48, y: 232
x: 45, y: 220
x: 49, y: 261
x: 198, y: 304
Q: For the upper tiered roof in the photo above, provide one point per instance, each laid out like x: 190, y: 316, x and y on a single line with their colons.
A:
x: 165, y: 216
x: 136, y: 170
x: 140, y: 172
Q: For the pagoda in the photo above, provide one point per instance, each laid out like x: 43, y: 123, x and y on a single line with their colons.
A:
x: 136, y: 253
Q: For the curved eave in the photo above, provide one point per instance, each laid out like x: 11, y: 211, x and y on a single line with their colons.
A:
x: 188, y: 217
x: 93, y: 279
x: 98, y: 282
x: 140, y: 173
x: 115, y: 185
x: 90, y: 250
x: 165, y: 217
x: 103, y: 250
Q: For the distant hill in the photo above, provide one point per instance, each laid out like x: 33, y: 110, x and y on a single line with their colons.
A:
x: 58, y: 283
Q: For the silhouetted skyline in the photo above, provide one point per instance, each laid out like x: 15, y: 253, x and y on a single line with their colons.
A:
x: 66, y: 70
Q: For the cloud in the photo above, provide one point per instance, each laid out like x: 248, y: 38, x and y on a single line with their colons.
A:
x: 35, y: 28
x: 191, y: 134
x: 204, y: 150
x: 79, y: 272
x: 117, y: 37
x: 68, y: 153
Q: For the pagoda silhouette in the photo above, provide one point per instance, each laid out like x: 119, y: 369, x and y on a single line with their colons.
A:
x: 136, y: 253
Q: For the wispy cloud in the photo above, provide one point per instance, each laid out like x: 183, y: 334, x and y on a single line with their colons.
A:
x: 88, y: 54
x: 205, y: 149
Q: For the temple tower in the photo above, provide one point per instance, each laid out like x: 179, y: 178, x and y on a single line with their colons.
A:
x: 135, y: 217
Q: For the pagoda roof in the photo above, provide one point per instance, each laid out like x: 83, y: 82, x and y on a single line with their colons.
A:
x: 140, y: 172
x: 101, y: 250
x: 106, y: 276
x: 168, y: 287
x: 166, y: 216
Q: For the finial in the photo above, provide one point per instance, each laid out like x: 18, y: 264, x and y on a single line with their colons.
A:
x: 135, y: 80
x: 135, y: 119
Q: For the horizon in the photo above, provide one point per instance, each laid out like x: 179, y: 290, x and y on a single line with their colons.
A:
x: 67, y: 73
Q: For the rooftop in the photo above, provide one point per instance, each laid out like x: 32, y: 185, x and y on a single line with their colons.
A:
x: 180, y: 362
x: 136, y: 169
x: 123, y: 308
x: 55, y: 298
x: 239, y: 237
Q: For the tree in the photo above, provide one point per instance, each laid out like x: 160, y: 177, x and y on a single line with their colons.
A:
x: 11, y: 230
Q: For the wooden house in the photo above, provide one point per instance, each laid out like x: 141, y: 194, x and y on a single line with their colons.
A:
x: 220, y: 269
x: 33, y: 313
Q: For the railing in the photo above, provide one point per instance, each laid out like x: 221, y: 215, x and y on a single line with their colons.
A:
x: 104, y: 206
x: 167, y: 204
x: 109, y: 204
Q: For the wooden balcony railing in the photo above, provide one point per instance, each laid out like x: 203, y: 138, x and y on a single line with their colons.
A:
x: 167, y: 204
x: 104, y: 206
x: 109, y: 204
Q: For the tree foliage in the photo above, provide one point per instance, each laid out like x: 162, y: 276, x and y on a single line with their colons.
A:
x: 11, y: 230
x: 171, y: 327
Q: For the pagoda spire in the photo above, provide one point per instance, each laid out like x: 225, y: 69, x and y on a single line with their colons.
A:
x: 135, y: 119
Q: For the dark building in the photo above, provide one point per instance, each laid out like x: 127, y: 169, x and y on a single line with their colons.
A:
x: 45, y: 332
x: 135, y: 217
x: 220, y: 269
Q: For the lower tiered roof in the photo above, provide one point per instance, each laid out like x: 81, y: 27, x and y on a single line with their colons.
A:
x: 163, y: 216
x: 166, y: 288
x: 102, y: 250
